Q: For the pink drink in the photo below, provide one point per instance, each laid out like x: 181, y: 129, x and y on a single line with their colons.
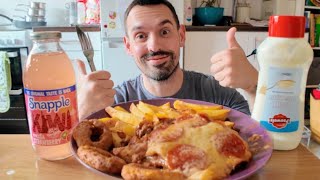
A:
x: 50, y: 95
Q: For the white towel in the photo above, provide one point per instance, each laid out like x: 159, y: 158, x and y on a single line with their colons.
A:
x: 5, y: 82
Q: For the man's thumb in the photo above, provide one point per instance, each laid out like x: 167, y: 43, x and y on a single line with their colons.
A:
x: 81, y: 67
x: 231, y: 39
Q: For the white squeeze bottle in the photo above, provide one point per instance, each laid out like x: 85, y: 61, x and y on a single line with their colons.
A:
x: 50, y: 96
x: 284, y: 59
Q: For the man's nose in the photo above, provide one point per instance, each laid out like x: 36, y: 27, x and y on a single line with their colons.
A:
x: 154, y: 43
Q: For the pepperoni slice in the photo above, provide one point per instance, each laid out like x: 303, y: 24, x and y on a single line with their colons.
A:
x: 185, y: 156
x: 229, y: 144
x: 165, y: 135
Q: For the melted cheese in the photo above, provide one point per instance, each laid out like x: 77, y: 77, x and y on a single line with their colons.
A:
x: 200, y: 137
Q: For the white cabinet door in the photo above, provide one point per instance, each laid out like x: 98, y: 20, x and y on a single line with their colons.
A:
x: 255, y: 39
x: 73, y: 55
x: 201, y: 46
x: 71, y: 45
x: 70, y: 41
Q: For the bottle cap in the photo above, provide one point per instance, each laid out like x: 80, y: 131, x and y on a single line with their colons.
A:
x: 287, y: 26
x: 45, y: 35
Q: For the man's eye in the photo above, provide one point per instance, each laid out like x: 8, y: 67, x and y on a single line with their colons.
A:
x: 140, y: 36
x: 165, y: 32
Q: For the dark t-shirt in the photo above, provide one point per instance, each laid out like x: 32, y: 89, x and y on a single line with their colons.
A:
x: 195, y: 86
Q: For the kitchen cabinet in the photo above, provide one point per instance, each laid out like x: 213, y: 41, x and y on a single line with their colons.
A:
x: 71, y: 45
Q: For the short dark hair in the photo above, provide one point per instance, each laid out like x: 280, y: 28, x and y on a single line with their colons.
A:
x: 150, y: 2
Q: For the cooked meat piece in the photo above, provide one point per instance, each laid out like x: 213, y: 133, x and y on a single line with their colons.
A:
x: 132, y: 153
x: 137, y: 171
x: 144, y: 128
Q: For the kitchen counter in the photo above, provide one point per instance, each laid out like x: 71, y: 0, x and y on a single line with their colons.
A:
x: 87, y: 28
x: 18, y: 161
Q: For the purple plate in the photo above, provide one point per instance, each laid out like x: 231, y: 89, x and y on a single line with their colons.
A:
x: 244, y: 123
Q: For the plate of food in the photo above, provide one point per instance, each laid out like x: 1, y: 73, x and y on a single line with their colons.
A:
x: 171, y: 139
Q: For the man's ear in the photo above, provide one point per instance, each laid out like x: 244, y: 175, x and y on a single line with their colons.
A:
x: 182, y: 34
x: 127, y: 45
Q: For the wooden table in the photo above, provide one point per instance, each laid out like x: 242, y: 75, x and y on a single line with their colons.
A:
x: 18, y: 161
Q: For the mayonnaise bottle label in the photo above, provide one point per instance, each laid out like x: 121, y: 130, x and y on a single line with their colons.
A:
x: 281, y: 112
x: 52, y: 114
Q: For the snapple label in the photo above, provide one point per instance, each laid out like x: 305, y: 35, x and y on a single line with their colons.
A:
x: 51, y: 115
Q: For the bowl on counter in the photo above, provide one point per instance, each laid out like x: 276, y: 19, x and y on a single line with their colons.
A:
x: 209, y: 15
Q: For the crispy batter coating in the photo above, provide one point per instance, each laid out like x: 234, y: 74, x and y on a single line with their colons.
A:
x: 93, y: 133
x: 100, y: 159
x: 134, y: 171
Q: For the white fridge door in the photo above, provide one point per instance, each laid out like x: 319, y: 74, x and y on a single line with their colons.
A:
x: 121, y: 66
x: 112, y: 17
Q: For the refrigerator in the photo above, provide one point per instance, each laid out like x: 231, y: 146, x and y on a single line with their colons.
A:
x: 121, y: 66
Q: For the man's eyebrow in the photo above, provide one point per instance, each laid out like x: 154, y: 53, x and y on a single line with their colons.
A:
x: 135, y: 28
x: 165, y: 22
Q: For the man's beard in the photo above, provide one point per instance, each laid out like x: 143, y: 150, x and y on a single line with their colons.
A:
x: 163, y: 71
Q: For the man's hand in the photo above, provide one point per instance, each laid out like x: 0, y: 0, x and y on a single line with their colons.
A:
x: 94, y: 91
x: 232, y: 68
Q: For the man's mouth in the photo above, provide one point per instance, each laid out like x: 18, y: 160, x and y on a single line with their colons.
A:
x: 158, y: 59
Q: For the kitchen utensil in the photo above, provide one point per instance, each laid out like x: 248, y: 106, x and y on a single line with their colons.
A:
x: 252, y: 53
x: 24, y: 24
x: 28, y: 18
x: 33, y: 11
x: 245, y: 124
x: 86, y: 46
x: 33, y: 4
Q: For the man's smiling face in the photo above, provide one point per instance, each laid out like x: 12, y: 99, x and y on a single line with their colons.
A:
x: 154, y: 40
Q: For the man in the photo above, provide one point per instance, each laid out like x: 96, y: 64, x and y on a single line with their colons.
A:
x: 154, y: 37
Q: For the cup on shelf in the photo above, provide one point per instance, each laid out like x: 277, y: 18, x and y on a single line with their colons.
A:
x: 72, y: 12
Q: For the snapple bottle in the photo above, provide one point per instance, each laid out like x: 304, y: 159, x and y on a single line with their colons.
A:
x: 50, y: 96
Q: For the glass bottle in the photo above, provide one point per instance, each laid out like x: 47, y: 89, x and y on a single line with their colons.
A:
x: 50, y: 95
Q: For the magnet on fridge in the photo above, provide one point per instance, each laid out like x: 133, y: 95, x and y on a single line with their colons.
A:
x: 112, y: 15
x: 112, y: 25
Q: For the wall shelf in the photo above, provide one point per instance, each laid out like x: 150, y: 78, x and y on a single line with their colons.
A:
x: 312, y: 86
x: 312, y: 7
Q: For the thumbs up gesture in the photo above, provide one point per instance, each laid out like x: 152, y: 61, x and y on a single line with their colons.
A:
x: 231, y: 67
x: 94, y: 91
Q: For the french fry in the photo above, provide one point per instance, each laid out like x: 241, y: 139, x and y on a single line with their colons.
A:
x: 165, y: 106
x: 124, y: 116
x: 116, y: 139
x: 229, y: 124
x: 143, y: 107
x: 119, y: 108
x: 137, y: 112
x: 178, y: 104
x: 220, y: 114
x: 168, y: 113
x: 163, y: 111
x: 126, y: 128
x: 156, y: 108
x: 104, y: 120
x: 117, y: 125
